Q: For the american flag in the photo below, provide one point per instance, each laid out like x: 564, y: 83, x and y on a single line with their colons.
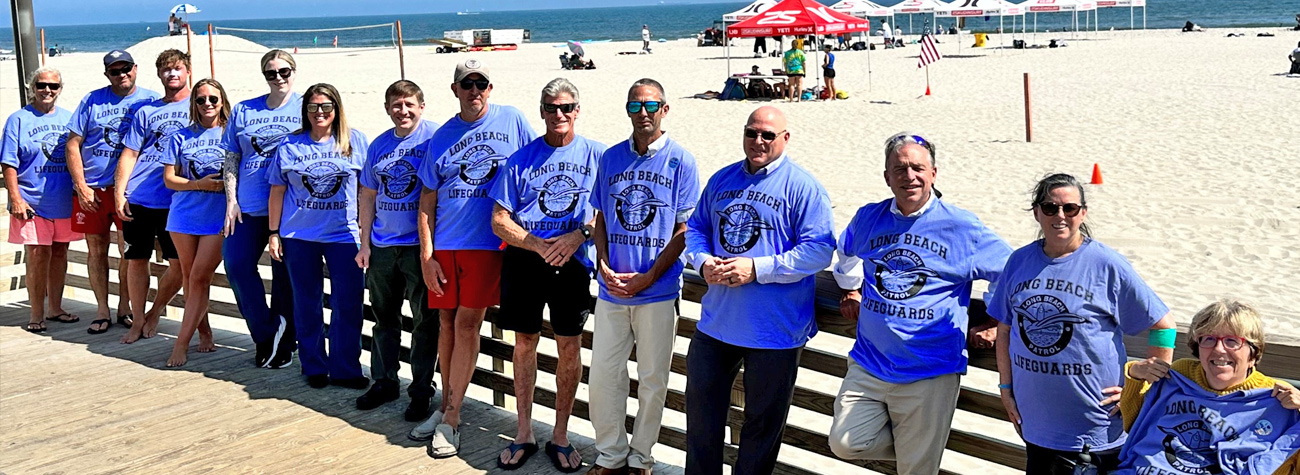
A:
x: 929, y: 53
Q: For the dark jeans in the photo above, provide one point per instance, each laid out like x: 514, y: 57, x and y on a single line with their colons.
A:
x: 307, y: 261
x: 394, y: 276
x: 242, y: 251
x: 711, y: 367
x: 1045, y: 461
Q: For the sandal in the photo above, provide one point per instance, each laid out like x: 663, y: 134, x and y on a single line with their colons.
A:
x: 35, y: 327
x: 528, y: 449
x: 65, y: 318
x: 554, y: 452
x: 103, y: 321
x: 126, y: 320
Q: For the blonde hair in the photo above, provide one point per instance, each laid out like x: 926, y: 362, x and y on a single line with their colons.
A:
x: 339, y: 128
x: 31, y: 81
x: 1234, y: 315
x: 278, y: 54
x: 223, y: 116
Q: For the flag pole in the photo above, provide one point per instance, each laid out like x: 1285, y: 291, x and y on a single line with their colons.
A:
x: 927, y: 79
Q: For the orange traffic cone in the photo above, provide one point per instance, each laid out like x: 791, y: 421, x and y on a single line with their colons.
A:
x: 927, y: 89
x: 1096, y: 174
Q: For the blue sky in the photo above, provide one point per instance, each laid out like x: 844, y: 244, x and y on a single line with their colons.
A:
x: 83, y: 12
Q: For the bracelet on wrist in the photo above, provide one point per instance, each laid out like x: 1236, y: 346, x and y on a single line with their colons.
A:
x: 1004, y: 386
x: 275, y: 232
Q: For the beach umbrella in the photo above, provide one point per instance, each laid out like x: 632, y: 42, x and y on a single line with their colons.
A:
x: 185, y: 9
x: 576, y: 48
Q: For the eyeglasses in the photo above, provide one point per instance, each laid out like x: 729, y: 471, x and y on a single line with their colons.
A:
x: 1230, y: 342
x: 214, y: 100
x: 122, y: 71
x: 325, y: 107
x: 650, y: 107
x: 283, y: 72
x: 1070, y: 209
x: 53, y: 86
x: 767, y: 135
x: 565, y: 108
x: 481, y: 84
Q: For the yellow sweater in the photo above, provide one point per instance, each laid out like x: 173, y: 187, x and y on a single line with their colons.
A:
x: 1130, y: 401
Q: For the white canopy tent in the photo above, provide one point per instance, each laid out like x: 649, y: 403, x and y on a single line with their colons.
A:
x: 1063, y: 6
x: 912, y: 7
x: 1131, y: 4
x: 750, y: 11
x: 862, y: 9
x: 983, y: 8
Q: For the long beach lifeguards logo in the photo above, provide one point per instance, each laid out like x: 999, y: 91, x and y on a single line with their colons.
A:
x: 113, y: 133
x: 558, y: 196
x: 901, y: 274
x: 1189, y: 448
x: 1046, y: 324
x: 398, y: 179
x: 54, y: 146
x: 267, y: 138
x: 636, y: 207
x: 739, y: 227
x: 206, y: 161
x: 479, y: 164
x: 323, y: 179
x: 163, y: 131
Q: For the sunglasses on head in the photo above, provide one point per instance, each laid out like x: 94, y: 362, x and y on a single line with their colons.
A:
x: 122, y: 71
x: 53, y: 86
x: 650, y: 107
x: 1230, y: 342
x: 916, y: 139
x: 214, y: 100
x: 481, y: 84
x: 326, y: 107
x: 284, y: 73
x: 755, y: 133
x: 565, y: 108
x: 1070, y: 209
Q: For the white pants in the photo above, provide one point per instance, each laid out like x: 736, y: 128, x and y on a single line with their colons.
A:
x: 652, y: 328
x: 908, y: 423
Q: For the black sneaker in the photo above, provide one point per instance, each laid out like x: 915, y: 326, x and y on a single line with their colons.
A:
x: 318, y: 381
x: 351, y: 383
x: 263, y: 353
x: 382, y: 392
x: 283, y: 354
x: 418, y: 410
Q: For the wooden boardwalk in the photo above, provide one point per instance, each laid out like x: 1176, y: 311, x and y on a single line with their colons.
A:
x: 76, y: 403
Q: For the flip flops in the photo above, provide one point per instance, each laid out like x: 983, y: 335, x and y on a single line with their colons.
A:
x: 125, y: 320
x: 65, y: 318
x: 35, y: 327
x: 103, y: 321
x: 528, y: 449
x: 554, y: 452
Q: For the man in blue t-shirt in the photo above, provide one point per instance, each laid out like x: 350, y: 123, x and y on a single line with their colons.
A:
x: 143, y: 200
x: 94, y: 144
x: 759, y: 234
x: 646, y: 188
x: 898, y: 398
x: 543, y: 213
x: 390, y: 253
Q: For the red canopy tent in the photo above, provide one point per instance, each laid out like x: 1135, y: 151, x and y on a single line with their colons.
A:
x: 796, y: 17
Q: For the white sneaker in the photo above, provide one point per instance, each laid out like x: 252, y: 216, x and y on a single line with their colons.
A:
x: 424, y: 431
x: 446, y: 442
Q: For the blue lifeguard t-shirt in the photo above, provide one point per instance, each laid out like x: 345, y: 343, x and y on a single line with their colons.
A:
x: 35, y: 146
x: 103, y: 120
x: 391, y: 166
x: 642, y: 200
x: 153, y: 122
x: 320, y: 202
x: 780, y: 217
x: 1068, y: 318
x: 913, y: 319
x: 463, y: 160
x: 254, y: 131
x: 196, y: 152
x: 547, y: 189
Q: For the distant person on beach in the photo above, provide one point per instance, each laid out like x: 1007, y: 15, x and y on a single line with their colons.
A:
x: 143, y: 201
x: 173, y: 25
x: 192, y: 159
x: 760, y: 46
x: 390, y: 253
x: 256, y: 129
x: 460, y: 256
x: 828, y: 72
x: 1064, y: 304
x: 757, y: 87
x: 94, y: 145
x: 1295, y: 60
x: 794, y: 70
x: 40, y: 195
x: 887, y: 34
x: 1191, y: 27
x: 759, y: 234
x: 645, y: 38
x: 922, y: 255
x: 646, y: 188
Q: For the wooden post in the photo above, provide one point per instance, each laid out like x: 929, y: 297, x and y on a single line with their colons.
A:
x: 189, y: 35
x: 42, y: 47
x: 1029, y: 120
x: 401, y: 55
x: 212, y: 58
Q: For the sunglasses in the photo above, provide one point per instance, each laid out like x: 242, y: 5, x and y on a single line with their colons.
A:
x: 284, y: 73
x: 650, y: 107
x: 214, y: 100
x: 325, y: 107
x: 122, y: 71
x: 916, y: 139
x: 481, y: 84
x: 53, y: 86
x: 1070, y: 209
x: 565, y: 108
x: 755, y: 133
x: 1231, y: 342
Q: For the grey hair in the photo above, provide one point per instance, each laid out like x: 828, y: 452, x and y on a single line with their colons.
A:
x: 899, y: 140
x: 1052, y: 182
x: 647, y: 82
x: 31, y: 80
x: 559, y: 86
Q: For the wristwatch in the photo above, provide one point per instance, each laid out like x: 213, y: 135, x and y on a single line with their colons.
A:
x: 586, y: 231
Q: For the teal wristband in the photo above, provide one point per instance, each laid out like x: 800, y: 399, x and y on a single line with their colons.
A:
x: 1162, y: 338
x: 1004, y: 386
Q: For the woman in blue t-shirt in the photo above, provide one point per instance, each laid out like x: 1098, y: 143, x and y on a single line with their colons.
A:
x: 192, y: 167
x: 1064, y: 303
x: 40, y: 195
x: 313, y: 216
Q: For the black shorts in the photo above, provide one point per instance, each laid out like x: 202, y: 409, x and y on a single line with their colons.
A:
x: 146, y: 225
x: 828, y: 73
x: 795, y: 75
x: 528, y: 283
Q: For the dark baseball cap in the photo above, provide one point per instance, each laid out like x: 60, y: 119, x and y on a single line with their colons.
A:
x: 117, y: 56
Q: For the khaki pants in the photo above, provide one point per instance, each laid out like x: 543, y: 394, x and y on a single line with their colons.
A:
x: 873, y: 418
x: 652, y: 328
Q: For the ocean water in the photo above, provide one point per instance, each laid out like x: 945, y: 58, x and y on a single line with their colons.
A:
x: 623, y: 23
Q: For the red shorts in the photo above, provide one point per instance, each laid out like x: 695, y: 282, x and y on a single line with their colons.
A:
x: 473, y: 279
x: 96, y: 222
